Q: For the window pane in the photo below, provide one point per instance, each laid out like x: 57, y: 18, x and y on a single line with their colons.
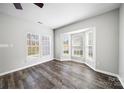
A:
x: 32, y: 44
x: 90, y: 52
x: 45, y: 45
x: 77, y: 45
x: 90, y: 41
x: 66, y: 44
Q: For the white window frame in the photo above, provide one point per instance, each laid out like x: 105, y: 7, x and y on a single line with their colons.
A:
x: 63, y: 55
x: 41, y: 46
x: 35, y: 55
x: 81, y: 47
x: 91, y: 61
x: 88, y: 45
x: 88, y: 61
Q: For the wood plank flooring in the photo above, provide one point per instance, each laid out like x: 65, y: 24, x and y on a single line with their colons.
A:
x: 59, y: 75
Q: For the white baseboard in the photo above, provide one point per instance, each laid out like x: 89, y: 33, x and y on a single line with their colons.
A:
x: 57, y: 59
x: 77, y: 61
x: 65, y: 59
x: 97, y: 70
x: 69, y: 60
x: 90, y: 66
x: 101, y: 71
x: 105, y: 72
x: 121, y: 80
x: 14, y: 70
x: 62, y: 59
x: 112, y: 74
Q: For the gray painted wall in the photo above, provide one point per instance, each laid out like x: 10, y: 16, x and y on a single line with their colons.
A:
x: 13, y: 31
x: 107, y: 37
x: 121, y: 43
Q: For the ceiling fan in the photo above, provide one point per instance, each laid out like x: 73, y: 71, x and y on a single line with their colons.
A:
x: 18, y: 5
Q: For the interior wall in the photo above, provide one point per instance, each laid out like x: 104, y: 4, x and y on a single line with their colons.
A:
x: 107, y: 37
x: 121, y: 43
x: 13, y: 31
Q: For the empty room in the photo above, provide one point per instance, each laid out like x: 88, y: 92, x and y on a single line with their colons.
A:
x: 61, y: 45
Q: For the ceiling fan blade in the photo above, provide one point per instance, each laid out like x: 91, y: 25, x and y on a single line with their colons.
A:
x: 39, y: 4
x: 18, y: 6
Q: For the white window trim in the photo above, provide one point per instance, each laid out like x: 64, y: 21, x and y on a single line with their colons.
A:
x: 91, y: 64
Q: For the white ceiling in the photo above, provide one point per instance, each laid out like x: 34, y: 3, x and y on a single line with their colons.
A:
x: 56, y: 15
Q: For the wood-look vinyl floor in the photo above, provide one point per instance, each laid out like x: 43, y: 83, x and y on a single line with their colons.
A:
x: 59, y: 75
